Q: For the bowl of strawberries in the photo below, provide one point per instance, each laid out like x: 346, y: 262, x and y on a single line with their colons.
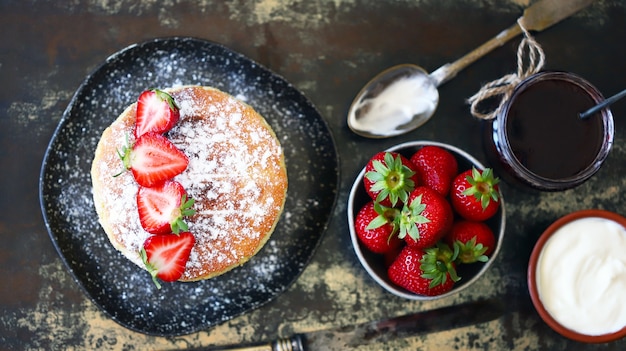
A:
x: 426, y: 219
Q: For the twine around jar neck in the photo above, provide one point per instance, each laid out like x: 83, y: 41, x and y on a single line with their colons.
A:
x: 528, y: 48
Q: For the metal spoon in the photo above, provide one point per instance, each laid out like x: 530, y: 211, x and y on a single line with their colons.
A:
x: 402, y: 98
x: 603, y: 104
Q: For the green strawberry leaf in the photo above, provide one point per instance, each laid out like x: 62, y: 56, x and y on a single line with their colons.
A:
x: 482, y: 186
x: 385, y: 215
x: 391, y: 178
x: 437, y: 264
x: 470, y: 252
x: 150, y: 267
x: 410, y: 217
x: 178, y: 225
x: 377, y: 222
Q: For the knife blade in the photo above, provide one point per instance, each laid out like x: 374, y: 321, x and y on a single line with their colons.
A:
x: 546, y: 13
x: 536, y: 17
x: 350, y: 337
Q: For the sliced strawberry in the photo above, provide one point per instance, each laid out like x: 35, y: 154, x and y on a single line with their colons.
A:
x: 153, y: 159
x: 162, y: 208
x: 156, y: 112
x: 165, y: 255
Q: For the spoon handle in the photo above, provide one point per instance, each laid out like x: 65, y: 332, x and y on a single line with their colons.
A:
x: 450, y: 70
x: 537, y: 17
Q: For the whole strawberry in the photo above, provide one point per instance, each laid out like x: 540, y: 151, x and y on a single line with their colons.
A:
x: 389, y: 178
x: 474, y: 241
x: 376, y: 228
x: 427, y: 272
x: 426, y: 218
x: 436, y: 167
x: 475, y: 194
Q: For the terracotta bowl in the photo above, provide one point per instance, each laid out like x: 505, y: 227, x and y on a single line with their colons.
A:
x: 532, y: 277
x: 375, y: 265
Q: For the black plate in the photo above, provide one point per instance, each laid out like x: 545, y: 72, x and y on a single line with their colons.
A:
x: 117, y: 286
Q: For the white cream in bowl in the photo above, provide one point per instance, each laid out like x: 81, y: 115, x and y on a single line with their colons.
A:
x: 581, y: 276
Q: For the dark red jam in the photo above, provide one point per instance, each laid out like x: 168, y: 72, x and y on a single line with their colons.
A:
x: 546, y: 134
x: 538, y: 138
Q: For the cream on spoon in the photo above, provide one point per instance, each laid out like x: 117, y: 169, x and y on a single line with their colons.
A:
x: 402, y: 98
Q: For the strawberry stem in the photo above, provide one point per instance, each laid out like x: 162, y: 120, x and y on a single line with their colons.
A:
x: 438, y: 263
x: 150, y: 267
x: 391, y: 179
x: 167, y: 98
x: 482, y: 186
x: 410, y: 217
x: 124, y: 155
x: 185, y: 210
x: 385, y: 215
x: 470, y: 252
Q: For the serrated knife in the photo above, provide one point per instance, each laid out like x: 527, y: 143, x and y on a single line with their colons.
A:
x: 350, y: 337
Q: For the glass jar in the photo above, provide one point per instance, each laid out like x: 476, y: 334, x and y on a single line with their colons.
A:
x: 538, y: 139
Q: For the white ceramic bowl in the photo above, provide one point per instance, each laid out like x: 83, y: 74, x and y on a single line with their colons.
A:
x: 374, y: 264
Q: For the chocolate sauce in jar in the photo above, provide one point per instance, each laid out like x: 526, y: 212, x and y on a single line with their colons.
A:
x: 541, y: 141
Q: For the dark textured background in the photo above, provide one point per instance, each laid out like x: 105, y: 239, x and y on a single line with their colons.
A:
x: 328, y: 49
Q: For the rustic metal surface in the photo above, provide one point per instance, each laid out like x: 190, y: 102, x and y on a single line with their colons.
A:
x: 328, y: 49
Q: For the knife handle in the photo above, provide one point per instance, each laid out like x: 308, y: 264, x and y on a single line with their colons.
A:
x: 292, y: 343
